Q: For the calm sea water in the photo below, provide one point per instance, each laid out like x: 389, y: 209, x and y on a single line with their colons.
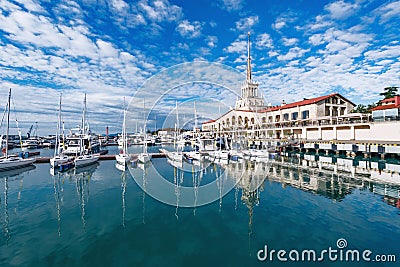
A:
x: 99, y: 216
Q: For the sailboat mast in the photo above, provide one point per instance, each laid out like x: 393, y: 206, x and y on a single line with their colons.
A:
x: 144, y: 127
x: 124, y: 139
x: 84, y: 114
x: 177, y: 115
x: 58, y: 129
x: 8, y: 121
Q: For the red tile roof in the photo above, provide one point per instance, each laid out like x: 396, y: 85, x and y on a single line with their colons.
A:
x: 210, y: 121
x: 304, y: 102
x: 390, y: 106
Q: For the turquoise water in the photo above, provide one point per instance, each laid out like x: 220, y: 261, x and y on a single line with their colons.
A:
x: 99, y: 216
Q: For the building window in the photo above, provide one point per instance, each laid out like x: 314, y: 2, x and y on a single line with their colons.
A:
x: 277, y: 118
x: 327, y: 111
x: 305, y: 114
x: 286, y: 116
x: 295, y: 115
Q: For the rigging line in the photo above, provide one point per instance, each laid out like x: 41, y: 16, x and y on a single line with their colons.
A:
x: 4, y: 115
x: 16, y: 122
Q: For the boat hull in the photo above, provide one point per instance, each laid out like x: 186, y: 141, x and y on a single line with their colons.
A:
x: 144, y: 158
x: 14, y: 163
x: 85, y: 160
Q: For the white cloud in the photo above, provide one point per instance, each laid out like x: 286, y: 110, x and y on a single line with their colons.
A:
x: 264, y: 40
x: 246, y: 23
x: 232, y: 5
x: 341, y: 9
x: 279, y: 25
x: 161, y: 10
x: 212, y: 41
x: 388, y: 11
x: 33, y: 6
x: 189, y: 29
x: 119, y: 4
x: 106, y: 49
x: 294, y: 52
x: 237, y: 47
x: 316, y: 39
x: 289, y: 41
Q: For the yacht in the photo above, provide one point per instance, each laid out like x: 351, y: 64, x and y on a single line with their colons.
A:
x: 59, y: 158
x: 123, y: 157
x: 11, y: 162
x: 82, y: 143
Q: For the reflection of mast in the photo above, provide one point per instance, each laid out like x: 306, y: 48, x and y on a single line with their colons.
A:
x: 6, y: 217
x: 82, y: 184
x: 220, y: 185
x: 195, y: 189
x: 123, y: 185
x: 177, y: 191
x: 144, y: 193
x: 56, y: 187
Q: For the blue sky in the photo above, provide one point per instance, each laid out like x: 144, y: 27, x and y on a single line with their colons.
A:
x: 109, y: 49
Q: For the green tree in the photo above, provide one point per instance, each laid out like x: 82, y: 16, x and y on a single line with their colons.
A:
x: 389, y: 92
x: 371, y: 106
x: 360, y: 108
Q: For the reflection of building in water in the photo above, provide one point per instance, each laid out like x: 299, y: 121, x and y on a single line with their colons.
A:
x: 249, y: 176
x: 336, y: 177
x: 331, y: 177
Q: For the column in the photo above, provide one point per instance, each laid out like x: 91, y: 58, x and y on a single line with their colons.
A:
x: 352, y: 133
x: 334, y: 133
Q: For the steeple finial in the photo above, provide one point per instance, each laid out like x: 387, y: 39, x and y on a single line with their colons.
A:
x: 248, y: 58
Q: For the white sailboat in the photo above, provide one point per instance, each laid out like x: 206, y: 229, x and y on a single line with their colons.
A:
x: 84, y: 159
x: 11, y: 162
x: 144, y: 157
x: 123, y: 157
x: 176, y: 156
x: 194, y: 154
x: 59, y: 158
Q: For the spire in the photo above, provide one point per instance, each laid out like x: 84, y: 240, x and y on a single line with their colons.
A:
x: 248, y: 58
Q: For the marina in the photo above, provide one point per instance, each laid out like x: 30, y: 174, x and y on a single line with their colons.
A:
x: 185, y: 133
x: 70, y: 215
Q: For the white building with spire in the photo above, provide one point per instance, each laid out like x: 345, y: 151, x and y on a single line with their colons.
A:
x: 252, y: 118
x: 250, y: 98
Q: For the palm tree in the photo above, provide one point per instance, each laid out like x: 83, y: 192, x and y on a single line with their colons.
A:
x: 389, y: 92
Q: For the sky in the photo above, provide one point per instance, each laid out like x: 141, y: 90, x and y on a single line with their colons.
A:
x: 113, y: 49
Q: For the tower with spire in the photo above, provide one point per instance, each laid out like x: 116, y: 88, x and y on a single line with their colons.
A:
x: 250, y: 98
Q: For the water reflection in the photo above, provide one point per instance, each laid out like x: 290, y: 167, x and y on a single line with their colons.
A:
x: 336, y: 177
x: 9, y: 176
x: 58, y: 191
x: 81, y: 178
x: 123, y: 189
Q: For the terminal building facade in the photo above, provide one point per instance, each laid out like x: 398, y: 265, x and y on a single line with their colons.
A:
x: 323, y: 118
